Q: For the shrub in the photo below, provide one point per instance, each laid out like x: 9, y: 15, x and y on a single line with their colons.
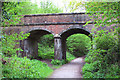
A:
x: 90, y: 67
x: 45, y: 52
x: 58, y: 62
x: 113, y: 71
x: 78, y: 44
x: 47, y: 40
x: 102, y: 61
x: 93, y: 70
x: 69, y: 56
x: 25, y: 68
x: 10, y: 43
x: 46, y: 47
x: 88, y: 75
x: 105, y: 42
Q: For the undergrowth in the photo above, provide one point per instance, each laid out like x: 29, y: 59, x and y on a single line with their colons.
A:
x: 103, y: 61
x: 78, y: 44
x: 16, y: 67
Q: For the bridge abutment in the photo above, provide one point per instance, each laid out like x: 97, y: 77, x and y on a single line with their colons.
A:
x: 30, y: 48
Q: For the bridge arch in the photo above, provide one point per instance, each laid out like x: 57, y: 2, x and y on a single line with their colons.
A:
x: 30, y: 45
x: 74, y: 30
x: 70, y: 31
x: 39, y: 28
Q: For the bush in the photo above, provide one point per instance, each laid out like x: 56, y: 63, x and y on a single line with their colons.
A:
x: 25, y: 68
x: 47, y: 40
x: 46, y: 47
x: 78, y: 44
x: 45, y: 52
x: 105, y: 42
x: 58, y: 62
x: 92, y: 67
x: 10, y: 43
x: 96, y: 71
x: 113, y: 71
x: 102, y: 61
x: 88, y: 75
x: 69, y: 56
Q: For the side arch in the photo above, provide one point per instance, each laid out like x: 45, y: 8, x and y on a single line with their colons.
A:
x: 30, y: 45
x: 74, y: 30
x: 70, y: 31
x: 38, y: 28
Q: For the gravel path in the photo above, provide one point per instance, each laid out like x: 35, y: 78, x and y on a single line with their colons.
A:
x: 70, y: 70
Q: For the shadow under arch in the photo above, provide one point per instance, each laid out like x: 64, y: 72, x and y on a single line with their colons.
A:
x: 39, y: 28
x: 30, y: 45
x: 65, y: 34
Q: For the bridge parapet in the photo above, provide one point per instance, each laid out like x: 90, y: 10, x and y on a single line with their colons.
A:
x: 60, y: 18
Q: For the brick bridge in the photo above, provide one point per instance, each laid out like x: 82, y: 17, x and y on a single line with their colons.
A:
x: 61, y: 25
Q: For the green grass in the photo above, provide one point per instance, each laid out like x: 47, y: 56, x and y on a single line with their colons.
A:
x: 56, y: 66
x: 69, y: 56
x: 25, y: 68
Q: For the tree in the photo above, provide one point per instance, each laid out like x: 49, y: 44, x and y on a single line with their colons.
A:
x: 76, y: 6
x: 104, y: 14
x: 48, y: 7
x: 11, y: 16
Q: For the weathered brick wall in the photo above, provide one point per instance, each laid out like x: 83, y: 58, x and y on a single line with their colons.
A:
x: 53, y: 23
x: 52, y: 18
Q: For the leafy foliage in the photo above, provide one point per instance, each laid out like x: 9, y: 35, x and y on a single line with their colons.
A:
x: 95, y: 70
x: 69, y: 56
x: 48, y: 7
x: 25, y: 68
x: 10, y: 40
x: 78, y: 44
x: 58, y: 62
x: 106, y: 53
x: 21, y: 67
x: 45, y: 52
x: 47, y: 40
x: 75, y: 5
x: 105, y: 42
x: 7, y: 40
x: 46, y: 47
x: 101, y: 59
x: 10, y: 13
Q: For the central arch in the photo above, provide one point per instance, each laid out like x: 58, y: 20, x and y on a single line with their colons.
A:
x: 70, y: 31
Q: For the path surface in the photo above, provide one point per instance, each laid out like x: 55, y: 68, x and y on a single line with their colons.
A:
x: 70, y: 70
